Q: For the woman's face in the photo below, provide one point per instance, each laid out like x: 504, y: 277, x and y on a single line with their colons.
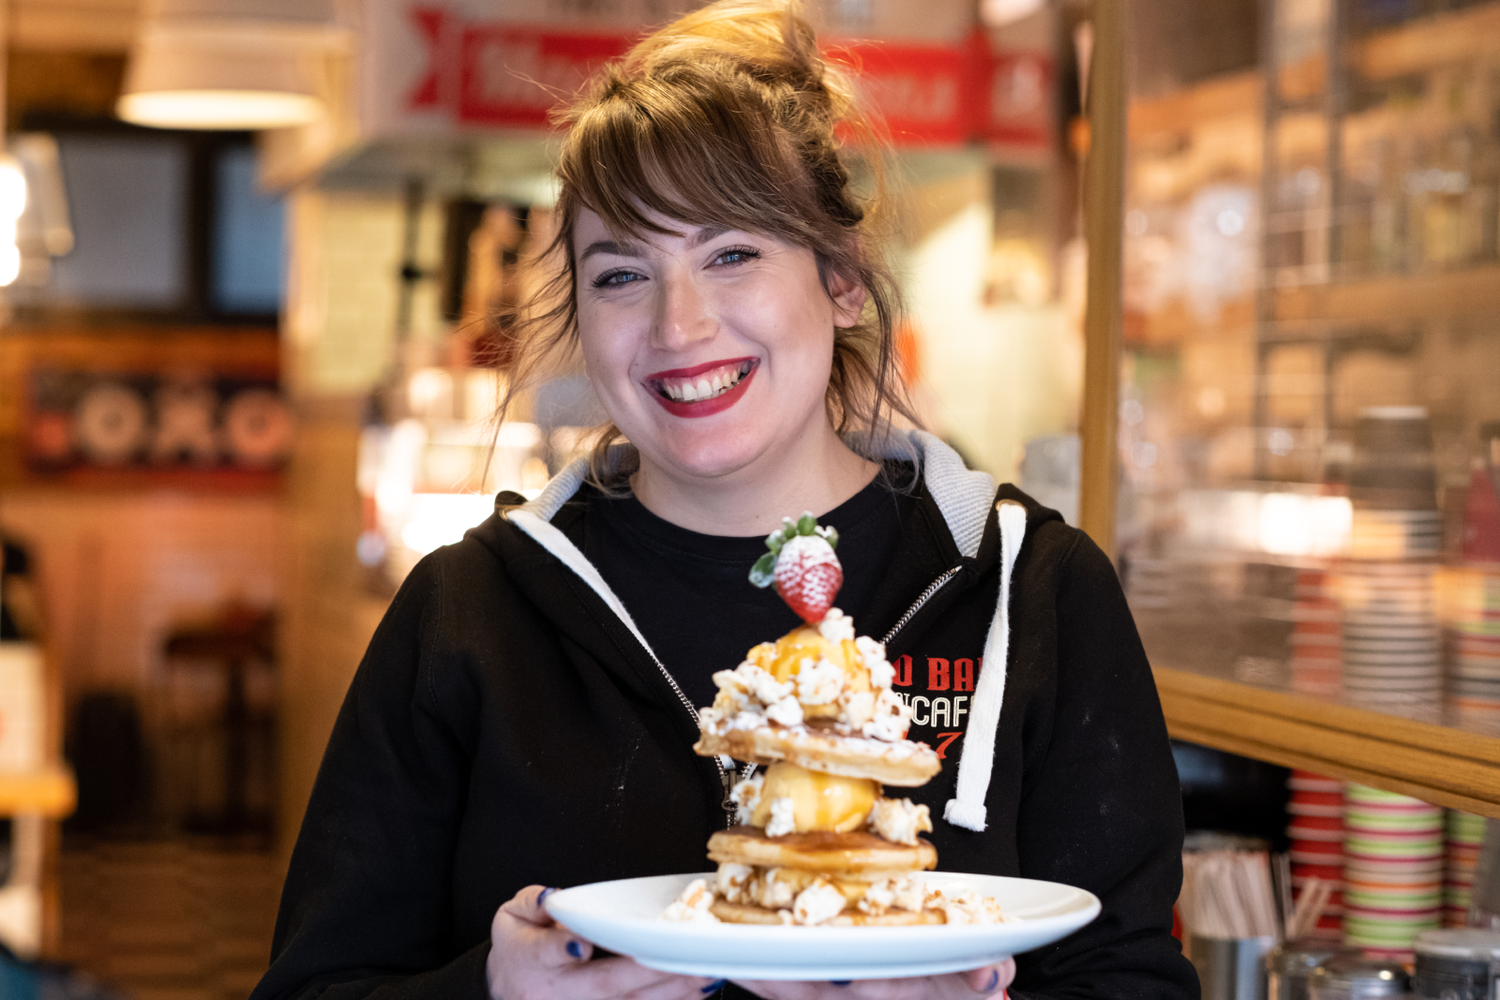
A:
x: 711, y: 350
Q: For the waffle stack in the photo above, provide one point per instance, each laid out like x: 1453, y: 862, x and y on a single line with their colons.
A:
x: 1461, y: 861
x: 1393, y: 870
x: 1317, y: 645
x: 1317, y: 851
x: 818, y: 842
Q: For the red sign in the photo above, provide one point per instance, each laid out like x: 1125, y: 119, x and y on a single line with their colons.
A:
x: 485, y: 75
x: 924, y: 93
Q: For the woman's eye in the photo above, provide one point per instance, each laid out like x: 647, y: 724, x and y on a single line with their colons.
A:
x: 736, y: 255
x: 614, y: 279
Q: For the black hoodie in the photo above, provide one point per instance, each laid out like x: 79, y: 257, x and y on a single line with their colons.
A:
x: 508, y: 726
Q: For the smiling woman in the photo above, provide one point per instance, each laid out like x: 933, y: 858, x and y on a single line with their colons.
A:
x: 525, y: 716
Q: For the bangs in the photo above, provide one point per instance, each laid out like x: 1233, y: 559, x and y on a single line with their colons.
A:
x: 688, y: 149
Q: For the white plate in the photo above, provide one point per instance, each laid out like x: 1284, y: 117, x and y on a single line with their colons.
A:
x: 625, y: 917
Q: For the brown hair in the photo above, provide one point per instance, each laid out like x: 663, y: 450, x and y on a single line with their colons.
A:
x: 728, y: 117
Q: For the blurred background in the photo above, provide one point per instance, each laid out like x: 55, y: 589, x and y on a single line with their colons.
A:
x: 257, y: 258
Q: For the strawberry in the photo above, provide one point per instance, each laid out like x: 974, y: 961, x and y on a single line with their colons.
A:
x: 802, y: 565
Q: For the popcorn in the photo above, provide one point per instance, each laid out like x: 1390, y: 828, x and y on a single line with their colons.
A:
x: 819, y: 683
x: 746, y: 796
x: 837, y: 626
x: 873, y: 655
x: 693, y: 905
x: 892, y: 718
x: 899, y: 820
x: 782, y: 821
x: 817, y: 904
x: 787, y: 711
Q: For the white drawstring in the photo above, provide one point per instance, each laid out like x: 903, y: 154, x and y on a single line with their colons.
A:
x: 966, y: 808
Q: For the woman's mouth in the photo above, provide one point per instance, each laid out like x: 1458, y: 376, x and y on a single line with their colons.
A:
x: 703, y: 389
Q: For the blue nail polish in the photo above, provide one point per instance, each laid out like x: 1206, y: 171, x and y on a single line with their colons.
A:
x: 715, y: 986
x: 994, y: 981
x: 542, y: 896
x: 839, y: 982
x: 575, y: 949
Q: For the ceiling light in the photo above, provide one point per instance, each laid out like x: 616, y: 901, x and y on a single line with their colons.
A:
x: 228, y: 64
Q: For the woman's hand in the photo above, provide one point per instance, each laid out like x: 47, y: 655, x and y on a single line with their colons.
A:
x: 532, y: 958
x: 990, y: 982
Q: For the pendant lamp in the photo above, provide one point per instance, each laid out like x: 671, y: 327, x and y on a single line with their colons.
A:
x: 228, y: 64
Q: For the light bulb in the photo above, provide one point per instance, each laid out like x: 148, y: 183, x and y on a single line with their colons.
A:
x: 10, y: 263
x: 12, y: 190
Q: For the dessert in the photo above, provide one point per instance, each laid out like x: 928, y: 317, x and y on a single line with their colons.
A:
x: 817, y: 840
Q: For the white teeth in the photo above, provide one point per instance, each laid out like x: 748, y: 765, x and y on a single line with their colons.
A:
x: 704, y: 388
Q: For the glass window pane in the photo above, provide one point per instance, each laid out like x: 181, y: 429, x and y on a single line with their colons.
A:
x: 127, y: 197
x: 248, y: 248
x: 1312, y: 289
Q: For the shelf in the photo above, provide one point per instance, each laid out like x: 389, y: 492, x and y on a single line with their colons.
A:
x: 1439, y: 764
x: 1429, y: 43
x: 1470, y: 292
x: 1418, y: 46
x: 51, y: 792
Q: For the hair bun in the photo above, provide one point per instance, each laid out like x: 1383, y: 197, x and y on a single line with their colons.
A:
x: 771, y: 42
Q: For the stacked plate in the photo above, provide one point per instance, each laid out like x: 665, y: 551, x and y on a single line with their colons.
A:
x: 1396, y: 534
x: 1392, y: 642
x: 1316, y: 636
x: 1317, y: 833
x: 1465, y: 835
x: 1393, y: 870
x: 1473, y: 612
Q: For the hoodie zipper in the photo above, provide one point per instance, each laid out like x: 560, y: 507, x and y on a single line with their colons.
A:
x: 726, y: 775
x: 922, y: 599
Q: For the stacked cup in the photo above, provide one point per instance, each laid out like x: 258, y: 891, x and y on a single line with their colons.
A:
x: 1461, y: 861
x: 1393, y: 870
x: 1393, y: 486
x: 1317, y: 834
x: 1316, y: 641
x: 1392, y: 643
x: 1472, y: 599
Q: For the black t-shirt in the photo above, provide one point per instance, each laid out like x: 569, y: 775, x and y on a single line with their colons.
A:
x: 690, y: 594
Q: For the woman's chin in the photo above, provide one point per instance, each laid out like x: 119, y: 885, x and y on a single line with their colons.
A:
x: 707, y: 457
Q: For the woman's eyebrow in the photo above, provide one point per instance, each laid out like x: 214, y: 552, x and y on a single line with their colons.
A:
x: 625, y: 249
x: 706, y: 234
x: 610, y: 247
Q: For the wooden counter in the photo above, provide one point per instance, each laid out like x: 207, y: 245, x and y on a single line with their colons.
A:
x: 1439, y: 764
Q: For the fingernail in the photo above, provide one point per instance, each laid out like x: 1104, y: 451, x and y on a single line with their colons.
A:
x: 840, y: 982
x: 575, y: 949
x: 715, y: 986
x: 994, y: 981
x: 542, y: 896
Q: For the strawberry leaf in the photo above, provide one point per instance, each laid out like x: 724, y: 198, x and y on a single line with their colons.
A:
x: 830, y: 535
x: 775, y: 540
x: 762, y: 574
x: 806, y: 524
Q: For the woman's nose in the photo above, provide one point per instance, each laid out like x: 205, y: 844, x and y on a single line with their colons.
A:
x: 682, y: 315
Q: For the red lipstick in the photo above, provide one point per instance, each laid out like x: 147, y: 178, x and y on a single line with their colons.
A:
x: 701, y: 407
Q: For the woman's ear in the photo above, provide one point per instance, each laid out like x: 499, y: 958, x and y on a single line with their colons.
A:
x: 848, y: 299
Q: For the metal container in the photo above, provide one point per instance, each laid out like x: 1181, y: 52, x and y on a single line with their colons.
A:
x: 1457, y: 965
x: 1290, y: 965
x: 1231, y: 968
x: 1351, y: 977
